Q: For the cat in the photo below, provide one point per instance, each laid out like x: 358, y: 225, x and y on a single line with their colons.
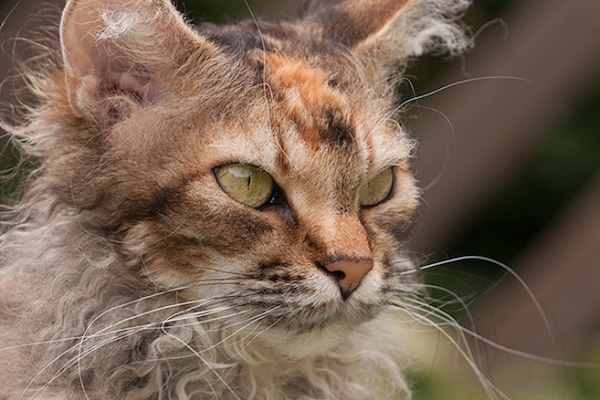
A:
x: 216, y: 212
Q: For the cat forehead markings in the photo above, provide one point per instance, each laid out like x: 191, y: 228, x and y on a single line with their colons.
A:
x: 320, y: 113
x: 323, y: 116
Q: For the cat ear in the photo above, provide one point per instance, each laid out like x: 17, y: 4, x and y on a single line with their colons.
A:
x: 389, y: 32
x: 117, y: 47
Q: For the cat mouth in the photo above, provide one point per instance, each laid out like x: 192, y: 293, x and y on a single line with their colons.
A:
x: 307, y: 315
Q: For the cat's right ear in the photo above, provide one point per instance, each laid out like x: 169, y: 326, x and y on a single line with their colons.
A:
x: 387, y: 33
x: 120, y: 47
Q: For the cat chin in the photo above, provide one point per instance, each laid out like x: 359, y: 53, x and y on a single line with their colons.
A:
x: 306, y: 344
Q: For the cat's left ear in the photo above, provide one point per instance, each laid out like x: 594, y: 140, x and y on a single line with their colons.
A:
x: 119, y: 47
x: 389, y: 32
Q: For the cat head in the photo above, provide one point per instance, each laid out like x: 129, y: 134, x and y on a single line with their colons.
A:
x: 258, y: 165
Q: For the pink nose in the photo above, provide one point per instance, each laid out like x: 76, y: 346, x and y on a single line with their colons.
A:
x: 349, y: 274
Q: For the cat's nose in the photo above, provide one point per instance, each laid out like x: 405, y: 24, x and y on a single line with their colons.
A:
x: 349, y: 274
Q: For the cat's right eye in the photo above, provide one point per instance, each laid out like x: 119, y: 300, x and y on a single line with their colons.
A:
x: 246, y: 184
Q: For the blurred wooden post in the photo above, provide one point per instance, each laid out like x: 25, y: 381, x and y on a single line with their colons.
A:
x: 562, y: 269
x: 555, y: 44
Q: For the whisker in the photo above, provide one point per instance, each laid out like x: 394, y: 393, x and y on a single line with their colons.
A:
x: 460, y: 344
x: 186, y: 316
x: 198, y: 354
x: 425, y: 310
x: 504, y: 267
x: 511, y: 272
x: 106, y: 331
x: 194, y: 318
x: 80, y: 337
x: 416, y: 98
x: 463, y: 302
x: 252, y: 320
x: 459, y: 83
x: 274, y: 323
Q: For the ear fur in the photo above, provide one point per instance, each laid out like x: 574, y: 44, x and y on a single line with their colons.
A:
x: 389, y: 32
x: 117, y: 47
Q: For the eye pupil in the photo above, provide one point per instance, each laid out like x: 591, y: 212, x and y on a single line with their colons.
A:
x: 246, y: 184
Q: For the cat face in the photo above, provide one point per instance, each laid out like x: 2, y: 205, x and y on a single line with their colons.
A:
x: 316, y: 150
x: 258, y: 167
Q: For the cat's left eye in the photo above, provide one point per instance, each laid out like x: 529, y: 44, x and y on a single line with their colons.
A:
x: 246, y: 184
x: 377, y: 189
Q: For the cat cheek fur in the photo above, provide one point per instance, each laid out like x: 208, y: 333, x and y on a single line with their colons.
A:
x: 127, y: 273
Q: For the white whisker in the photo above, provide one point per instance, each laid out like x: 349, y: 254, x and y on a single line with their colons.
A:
x: 459, y: 83
x: 508, y: 270
x: 460, y: 343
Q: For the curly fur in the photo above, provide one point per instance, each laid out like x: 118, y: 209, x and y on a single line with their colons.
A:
x: 83, y: 320
x: 125, y: 277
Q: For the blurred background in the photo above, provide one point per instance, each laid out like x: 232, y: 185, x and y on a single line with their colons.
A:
x: 509, y: 163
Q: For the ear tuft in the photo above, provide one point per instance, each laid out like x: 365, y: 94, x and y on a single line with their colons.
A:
x: 428, y: 26
x: 389, y: 32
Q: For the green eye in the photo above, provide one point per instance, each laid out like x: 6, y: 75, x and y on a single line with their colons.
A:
x: 377, y: 189
x: 249, y: 185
